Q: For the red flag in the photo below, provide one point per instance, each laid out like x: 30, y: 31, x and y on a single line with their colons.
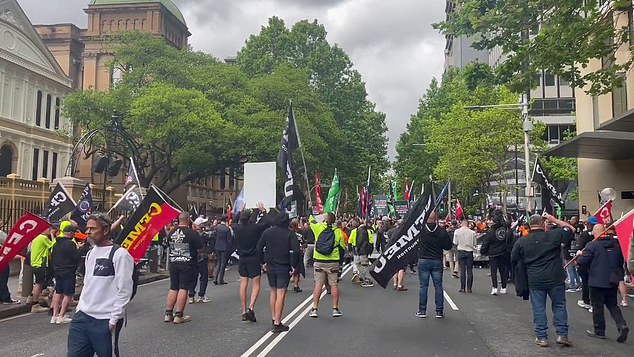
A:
x: 448, y: 218
x: 319, y: 206
x: 152, y: 216
x: 362, y: 203
x: 23, y: 232
x: 406, y: 195
x: 459, y: 211
x: 624, y: 228
x: 604, y: 214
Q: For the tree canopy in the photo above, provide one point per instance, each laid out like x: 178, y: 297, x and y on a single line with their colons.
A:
x: 560, y: 37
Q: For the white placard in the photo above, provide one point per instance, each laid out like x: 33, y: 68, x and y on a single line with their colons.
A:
x: 259, y: 184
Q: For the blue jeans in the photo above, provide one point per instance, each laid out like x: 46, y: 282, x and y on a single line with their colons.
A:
x: 557, y: 296
x: 202, y: 271
x: 574, y: 280
x: 427, y: 267
x: 88, y: 336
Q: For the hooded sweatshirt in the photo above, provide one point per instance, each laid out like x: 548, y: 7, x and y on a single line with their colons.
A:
x: 497, y: 241
x: 604, y: 259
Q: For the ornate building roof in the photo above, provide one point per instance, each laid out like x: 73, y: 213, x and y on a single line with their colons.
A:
x: 169, y: 5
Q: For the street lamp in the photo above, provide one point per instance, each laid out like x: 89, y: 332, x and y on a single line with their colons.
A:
x: 528, y: 127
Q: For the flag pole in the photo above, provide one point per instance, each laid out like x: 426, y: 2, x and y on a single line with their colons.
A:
x: 301, y: 151
x: 136, y: 174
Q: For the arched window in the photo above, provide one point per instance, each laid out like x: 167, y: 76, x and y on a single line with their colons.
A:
x: 6, y: 160
x: 49, y: 103
x: 38, y: 108
x: 57, y: 105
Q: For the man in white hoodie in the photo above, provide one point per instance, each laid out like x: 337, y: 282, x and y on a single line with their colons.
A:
x: 107, y: 290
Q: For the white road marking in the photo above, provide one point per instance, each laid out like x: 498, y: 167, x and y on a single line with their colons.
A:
x: 277, y: 339
x: 453, y: 305
x: 16, y: 317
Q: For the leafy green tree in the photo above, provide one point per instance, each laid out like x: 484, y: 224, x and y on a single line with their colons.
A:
x: 560, y: 37
x: 333, y: 77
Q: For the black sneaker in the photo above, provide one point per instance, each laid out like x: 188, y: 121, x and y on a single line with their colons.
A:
x: 440, y: 315
x: 251, y: 315
x: 623, y: 334
x: 245, y: 317
x: 297, y: 289
x: 279, y: 328
x: 595, y: 335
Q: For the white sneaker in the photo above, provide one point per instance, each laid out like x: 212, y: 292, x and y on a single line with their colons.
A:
x: 190, y: 300
x: 494, y: 291
x: 590, y: 309
x: 53, y: 320
x: 503, y: 291
x: 63, y: 320
x: 582, y: 304
x: 203, y: 299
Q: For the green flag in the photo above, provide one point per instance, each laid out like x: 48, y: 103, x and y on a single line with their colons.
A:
x: 331, y: 201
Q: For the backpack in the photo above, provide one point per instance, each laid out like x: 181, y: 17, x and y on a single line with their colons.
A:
x: 135, y: 273
x: 325, y: 243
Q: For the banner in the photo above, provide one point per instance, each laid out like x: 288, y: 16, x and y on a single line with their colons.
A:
x: 604, y: 214
x: 403, y: 250
x: 406, y: 194
x: 331, y: 201
x: 319, y: 207
x: 260, y: 185
x: 23, y: 232
x: 60, y: 203
x: 289, y: 144
x: 459, y: 210
x: 130, y: 201
x: 152, y: 216
x: 84, y: 208
x: 380, y: 205
x: 624, y: 228
x: 549, y: 191
x: 401, y: 207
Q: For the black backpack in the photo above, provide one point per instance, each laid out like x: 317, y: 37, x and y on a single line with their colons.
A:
x: 135, y: 273
x: 325, y: 243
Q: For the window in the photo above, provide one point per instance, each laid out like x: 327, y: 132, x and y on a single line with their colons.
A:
x: 36, y: 163
x: 45, y: 164
x: 223, y: 180
x: 563, y: 82
x: 619, y: 100
x: 38, y: 108
x: 54, y: 167
x: 557, y: 133
x: 549, y: 79
x: 231, y: 179
x: 48, y: 111
x: 57, y: 105
x: 117, y: 74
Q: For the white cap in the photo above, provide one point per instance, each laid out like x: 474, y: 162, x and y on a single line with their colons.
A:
x: 200, y: 221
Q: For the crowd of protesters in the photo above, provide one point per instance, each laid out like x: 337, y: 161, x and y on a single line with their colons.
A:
x: 544, y: 258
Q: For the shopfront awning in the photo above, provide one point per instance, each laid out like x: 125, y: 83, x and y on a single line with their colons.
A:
x: 600, y: 144
x: 623, y: 122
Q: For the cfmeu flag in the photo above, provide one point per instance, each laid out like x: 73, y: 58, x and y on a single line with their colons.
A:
x: 84, y: 208
x: 290, y: 143
x: 405, y: 243
x: 23, y: 232
x: 60, y: 203
x: 604, y: 214
x: 624, y: 228
x: 153, y: 214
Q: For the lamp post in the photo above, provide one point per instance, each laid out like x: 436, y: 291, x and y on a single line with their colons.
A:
x: 528, y: 127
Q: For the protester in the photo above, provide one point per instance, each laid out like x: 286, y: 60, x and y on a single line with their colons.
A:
x: 222, y: 249
x: 540, y: 252
x: 604, y: 261
x: 40, y: 252
x: 247, y: 235
x: 281, y: 258
x: 465, y: 241
x: 65, y: 260
x: 106, y: 293
x: 183, y: 245
x: 584, y: 238
x: 495, y: 243
x: 309, y: 242
x: 5, y: 294
x: 200, y: 269
x: 450, y: 255
x: 352, y: 244
x: 363, y: 247
x: 431, y: 243
x: 327, y: 266
x: 400, y: 275
x: 301, y: 269
x: 568, y: 252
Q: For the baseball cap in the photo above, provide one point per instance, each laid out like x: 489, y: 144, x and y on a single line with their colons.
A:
x: 592, y: 220
x: 69, y: 228
x: 200, y: 221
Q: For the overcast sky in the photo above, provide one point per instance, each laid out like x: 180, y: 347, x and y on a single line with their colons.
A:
x: 390, y: 42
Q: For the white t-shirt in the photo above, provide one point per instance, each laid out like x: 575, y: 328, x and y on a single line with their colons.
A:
x: 465, y: 239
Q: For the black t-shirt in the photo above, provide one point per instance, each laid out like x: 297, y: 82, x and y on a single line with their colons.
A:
x: 280, y: 245
x: 432, y: 241
x: 184, y: 243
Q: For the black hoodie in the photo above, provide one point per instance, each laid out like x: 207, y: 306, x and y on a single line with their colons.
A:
x: 432, y: 241
x: 497, y: 241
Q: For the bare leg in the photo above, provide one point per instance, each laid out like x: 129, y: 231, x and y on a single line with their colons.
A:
x: 279, y: 305
x: 272, y: 299
x: 334, y: 291
x: 400, y: 275
x: 66, y: 299
x: 244, y: 285
x: 56, y: 304
x: 181, y: 300
x: 623, y: 291
x: 37, y: 291
x: 316, y: 295
x: 171, y: 300
x: 255, y: 292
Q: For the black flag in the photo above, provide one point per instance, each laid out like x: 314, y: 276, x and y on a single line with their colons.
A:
x: 405, y: 245
x: 60, y: 203
x: 290, y: 143
x: 549, y: 191
x: 84, y: 208
x: 130, y: 201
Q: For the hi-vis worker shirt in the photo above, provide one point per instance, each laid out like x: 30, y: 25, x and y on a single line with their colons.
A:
x: 317, y: 228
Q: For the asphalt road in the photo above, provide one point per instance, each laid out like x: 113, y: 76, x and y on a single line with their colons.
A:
x: 376, y: 322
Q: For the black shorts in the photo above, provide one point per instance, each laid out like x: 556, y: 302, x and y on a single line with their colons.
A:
x: 279, y: 276
x: 182, y: 276
x: 65, y: 284
x: 40, y: 276
x: 249, y: 267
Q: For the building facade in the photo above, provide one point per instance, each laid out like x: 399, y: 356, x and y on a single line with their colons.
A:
x: 35, y: 138
x: 458, y: 49
x: 605, y: 134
